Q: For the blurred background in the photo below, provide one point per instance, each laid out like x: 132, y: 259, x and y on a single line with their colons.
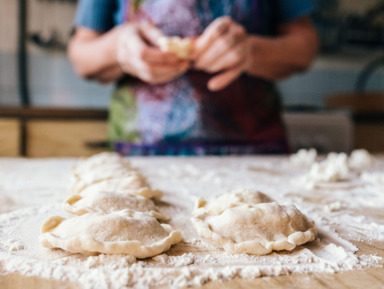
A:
x: 47, y: 110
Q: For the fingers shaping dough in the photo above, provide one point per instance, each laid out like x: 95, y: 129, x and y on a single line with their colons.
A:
x: 180, y: 46
x: 255, y: 229
x: 108, y: 202
x: 124, y: 232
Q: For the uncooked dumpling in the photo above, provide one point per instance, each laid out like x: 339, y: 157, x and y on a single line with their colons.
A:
x: 303, y: 158
x: 99, y: 161
x: 132, y: 179
x: 234, y: 199
x: 128, y: 185
x: 124, y: 232
x: 257, y: 228
x: 108, y: 202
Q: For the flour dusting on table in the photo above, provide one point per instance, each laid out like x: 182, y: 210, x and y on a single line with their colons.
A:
x: 34, y: 190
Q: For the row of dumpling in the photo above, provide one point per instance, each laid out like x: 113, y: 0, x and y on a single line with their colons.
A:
x: 115, y: 212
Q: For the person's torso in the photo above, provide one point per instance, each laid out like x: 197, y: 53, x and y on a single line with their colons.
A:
x: 184, y: 109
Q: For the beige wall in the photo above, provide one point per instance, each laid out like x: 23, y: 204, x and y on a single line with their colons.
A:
x: 43, y: 16
x: 46, y: 16
x: 8, y: 25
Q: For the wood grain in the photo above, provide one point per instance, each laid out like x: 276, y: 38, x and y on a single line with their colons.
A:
x: 9, y: 137
x: 369, y: 278
x: 64, y: 138
x: 19, y: 281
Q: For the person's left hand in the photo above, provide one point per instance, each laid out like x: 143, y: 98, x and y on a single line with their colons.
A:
x: 223, y: 47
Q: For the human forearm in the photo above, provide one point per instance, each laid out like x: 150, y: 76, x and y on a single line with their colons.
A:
x: 127, y: 49
x: 279, y: 57
x: 108, y: 75
x: 227, y: 50
x: 94, y: 56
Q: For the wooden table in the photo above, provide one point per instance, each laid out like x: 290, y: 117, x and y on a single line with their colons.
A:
x: 368, y: 278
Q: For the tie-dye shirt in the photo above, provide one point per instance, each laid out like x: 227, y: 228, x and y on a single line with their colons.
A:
x: 247, y: 112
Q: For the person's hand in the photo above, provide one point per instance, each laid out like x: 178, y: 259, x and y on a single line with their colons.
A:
x: 138, y: 54
x: 223, y: 47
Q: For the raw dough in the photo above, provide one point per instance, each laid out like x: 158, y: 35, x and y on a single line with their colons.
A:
x: 337, y: 167
x: 108, y: 202
x: 124, y: 232
x: 100, y: 167
x: 180, y: 46
x: 132, y: 179
x: 128, y: 185
x: 234, y: 199
x: 361, y: 160
x: 334, y: 168
x: 303, y: 158
x: 257, y: 228
x: 100, y: 160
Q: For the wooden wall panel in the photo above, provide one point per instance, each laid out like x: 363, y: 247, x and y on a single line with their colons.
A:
x: 64, y: 138
x: 9, y: 137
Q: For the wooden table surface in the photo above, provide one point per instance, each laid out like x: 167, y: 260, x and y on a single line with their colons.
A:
x: 368, y: 278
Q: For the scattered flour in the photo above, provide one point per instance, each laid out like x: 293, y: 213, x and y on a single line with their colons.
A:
x: 337, y: 214
x: 336, y: 168
x: 374, y: 178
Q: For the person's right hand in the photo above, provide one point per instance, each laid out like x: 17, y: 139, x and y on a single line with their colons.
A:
x: 139, y: 55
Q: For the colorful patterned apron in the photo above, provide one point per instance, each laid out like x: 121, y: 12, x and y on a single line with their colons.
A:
x: 183, y: 116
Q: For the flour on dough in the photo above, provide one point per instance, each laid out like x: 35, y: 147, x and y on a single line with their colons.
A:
x: 100, y: 160
x: 133, y: 184
x: 180, y: 46
x: 234, y: 199
x: 334, y: 168
x: 124, y: 232
x: 108, y: 202
x: 100, y: 167
x: 256, y: 229
x: 337, y: 167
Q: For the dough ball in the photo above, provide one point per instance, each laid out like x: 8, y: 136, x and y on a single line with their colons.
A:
x: 360, y: 160
x: 182, y: 47
x: 303, y: 158
x: 108, y: 202
x: 124, y: 232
